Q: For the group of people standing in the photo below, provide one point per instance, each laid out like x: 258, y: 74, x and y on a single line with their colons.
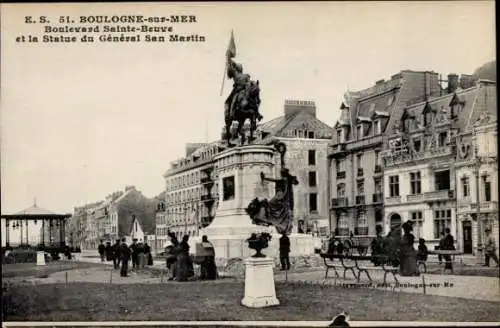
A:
x: 181, y: 264
x: 400, y: 250
x: 120, y: 253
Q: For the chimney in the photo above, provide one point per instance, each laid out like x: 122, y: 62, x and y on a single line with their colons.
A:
x: 467, y: 81
x: 452, y: 83
x: 293, y: 107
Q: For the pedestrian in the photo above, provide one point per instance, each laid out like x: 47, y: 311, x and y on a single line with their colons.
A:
x: 490, y: 248
x: 101, y: 249
x: 125, y: 257
x: 208, y: 266
x: 141, y: 253
x: 135, y: 253
x: 422, y: 253
x: 116, y: 254
x: 441, y: 246
x: 377, y: 246
x: 108, y: 251
x: 148, y: 255
x: 449, y: 245
x: 284, y: 252
x: 408, y: 262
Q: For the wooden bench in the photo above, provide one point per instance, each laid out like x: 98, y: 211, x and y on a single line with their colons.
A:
x: 385, y: 266
x: 333, y: 265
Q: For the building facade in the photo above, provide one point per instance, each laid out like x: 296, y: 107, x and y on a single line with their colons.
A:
x: 426, y: 155
x: 477, y: 174
x: 356, y: 172
x: 110, y: 218
x: 192, y: 188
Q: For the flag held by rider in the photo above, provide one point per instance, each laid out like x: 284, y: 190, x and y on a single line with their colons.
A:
x: 231, y: 48
x: 230, y: 53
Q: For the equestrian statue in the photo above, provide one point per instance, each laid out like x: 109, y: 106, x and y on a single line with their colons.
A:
x: 244, y: 100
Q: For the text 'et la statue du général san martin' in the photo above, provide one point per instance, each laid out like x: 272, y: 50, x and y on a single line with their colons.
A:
x: 118, y: 33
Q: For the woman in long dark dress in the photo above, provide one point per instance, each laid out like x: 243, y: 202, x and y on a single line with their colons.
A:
x: 408, y: 265
x: 184, y: 264
x: 377, y: 246
x: 208, y: 267
x: 171, y: 253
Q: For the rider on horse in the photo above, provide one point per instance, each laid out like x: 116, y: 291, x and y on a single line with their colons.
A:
x: 240, y: 93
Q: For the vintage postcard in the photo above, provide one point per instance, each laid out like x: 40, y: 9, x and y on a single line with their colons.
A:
x: 249, y: 164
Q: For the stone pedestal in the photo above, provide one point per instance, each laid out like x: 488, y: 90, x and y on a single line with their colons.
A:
x: 232, y: 226
x: 40, y: 258
x: 259, y: 283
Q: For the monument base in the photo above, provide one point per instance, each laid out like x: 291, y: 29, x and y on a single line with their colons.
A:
x: 40, y: 258
x: 259, y: 283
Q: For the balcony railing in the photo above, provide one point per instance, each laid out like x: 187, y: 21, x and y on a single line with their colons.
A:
x: 360, y: 200
x: 360, y: 172
x: 438, y: 195
x: 485, y: 206
x: 404, y: 156
x: 378, y: 198
x: 415, y: 198
x: 393, y: 200
x: 206, y: 180
x: 341, y: 175
x: 339, y: 202
x: 207, y: 197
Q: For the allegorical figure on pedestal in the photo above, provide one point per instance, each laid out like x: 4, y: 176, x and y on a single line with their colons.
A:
x: 278, y: 211
x: 244, y: 100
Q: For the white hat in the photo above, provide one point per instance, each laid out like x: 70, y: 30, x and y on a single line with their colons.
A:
x: 167, y: 244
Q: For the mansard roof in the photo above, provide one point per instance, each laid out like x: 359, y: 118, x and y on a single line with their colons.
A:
x: 475, y: 100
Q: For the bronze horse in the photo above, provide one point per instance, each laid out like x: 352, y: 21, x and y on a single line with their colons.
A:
x: 246, y: 106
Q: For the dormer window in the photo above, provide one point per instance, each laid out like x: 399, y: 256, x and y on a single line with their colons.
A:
x: 340, y: 136
x: 390, y: 100
x: 455, y: 106
x: 359, y: 131
x: 378, y: 127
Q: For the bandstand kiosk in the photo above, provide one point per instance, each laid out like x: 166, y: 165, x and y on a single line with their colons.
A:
x: 51, y: 225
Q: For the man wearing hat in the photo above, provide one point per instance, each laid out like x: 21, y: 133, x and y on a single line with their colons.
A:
x: 490, y: 248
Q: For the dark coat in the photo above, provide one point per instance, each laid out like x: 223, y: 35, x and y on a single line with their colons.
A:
x: 101, y: 249
x: 449, y: 242
x: 284, y: 244
x: 125, y: 252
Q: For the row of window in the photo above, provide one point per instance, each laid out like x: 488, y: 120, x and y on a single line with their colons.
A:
x: 184, y: 180
x: 360, y: 187
x: 184, y: 196
x: 341, y: 164
x: 362, y: 131
x: 300, y: 134
x: 442, y: 220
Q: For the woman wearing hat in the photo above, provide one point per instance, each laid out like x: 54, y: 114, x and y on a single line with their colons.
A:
x: 490, y: 248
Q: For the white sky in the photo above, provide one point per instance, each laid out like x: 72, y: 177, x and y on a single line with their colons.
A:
x: 79, y: 121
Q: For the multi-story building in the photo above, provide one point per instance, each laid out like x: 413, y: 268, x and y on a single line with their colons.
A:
x: 307, y: 140
x: 356, y: 173
x: 192, y: 190
x: 161, y: 223
x: 111, y: 218
x: 477, y: 172
x: 421, y: 162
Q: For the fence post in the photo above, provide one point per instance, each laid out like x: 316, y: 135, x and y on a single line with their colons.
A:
x: 423, y: 282
x: 66, y: 278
